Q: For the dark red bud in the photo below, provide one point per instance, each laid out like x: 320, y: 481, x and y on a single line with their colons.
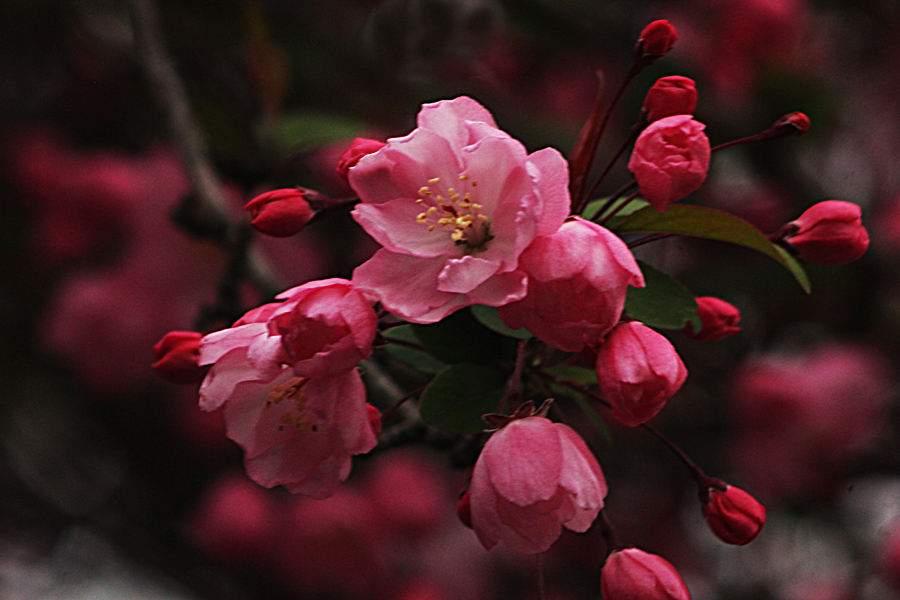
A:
x: 734, y: 515
x: 655, y: 40
x: 177, y: 357
x: 464, y: 509
x: 795, y: 123
x: 673, y: 95
x: 358, y: 148
x: 718, y: 319
x: 829, y: 233
x: 281, y: 213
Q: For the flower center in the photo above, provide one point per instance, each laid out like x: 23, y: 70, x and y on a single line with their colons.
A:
x: 292, y: 389
x: 455, y: 212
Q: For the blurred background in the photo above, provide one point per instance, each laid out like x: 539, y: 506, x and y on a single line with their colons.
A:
x: 113, y: 484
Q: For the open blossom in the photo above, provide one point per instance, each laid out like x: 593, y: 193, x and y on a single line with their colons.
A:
x: 299, y: 432
x: 454, y: 204
x: 638, y: 371
x: 534, y: 477
x: 577, y: 279
x: 670, y: 160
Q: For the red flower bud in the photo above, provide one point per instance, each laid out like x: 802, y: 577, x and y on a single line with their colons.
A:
x: 734, y: 515
x: 464, y: 509
x: 358, y: 148
x: 673, y: 95
x: 280, y: 213
x: 795, y: 123
x: 718, y: 319
x: 632, y: 574
x: 178, y: 356
x: 829, y: 233
x: 655, y: 40
x: 374, y: 416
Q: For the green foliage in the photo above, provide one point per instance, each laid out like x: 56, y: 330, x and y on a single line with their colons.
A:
x: 414, y: 357
x: 663, y: 304
x: 307, y: 129
x: 711, y: 224
x: 458, y: 397
x: 592, y: 210
x: 487, y: 316
x: 460, y: 338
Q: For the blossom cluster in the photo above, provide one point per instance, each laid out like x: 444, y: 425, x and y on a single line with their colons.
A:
x: 465, y: 216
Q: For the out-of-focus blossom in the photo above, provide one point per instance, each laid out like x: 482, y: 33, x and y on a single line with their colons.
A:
x: 638, y: 371
x: 577, y: 279
x: 177, y: 357
x: 326, y: 327
x: 358, y: 148
x: 454, y: 204
x: 795, y: 123
x: 669, y: 96
x: 280, y: 213
x: 829, y: 233
x: 670, y: 160
x: 800, y: 419
x: 534, y: 477
x: 655, y: 40
x: 718, y: 319
x: 733, y: 515
x: 632, y: 574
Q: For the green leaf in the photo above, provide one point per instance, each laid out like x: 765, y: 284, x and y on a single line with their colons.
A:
x: 305, y: 129
x: 576, y: 373
x: 711, y: 224
x: 460, y: 338
x: 663, y: 304
x: 487, y: 316
x: 457, y: 398
x: 586, y: 376
x: 592, y: 210
x: 418, y: 359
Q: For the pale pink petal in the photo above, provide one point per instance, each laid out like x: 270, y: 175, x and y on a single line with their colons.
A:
x: 551, y: 174
x: 489, y: 165
x: 215, y: 345
x: 530, y: 529
x: 224, y: 376
x: 485, y: 518
x: 500, y: 289
x: 394, y: 226
x: 462, y: 275
x: 448, y: 119
x: 582, y: 478
x: 524, y: 461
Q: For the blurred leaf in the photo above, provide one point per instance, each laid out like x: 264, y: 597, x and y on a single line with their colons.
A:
x: 456, y: 399
x: 487, y: 316
x: 578, y: 373
x: 711, y: 224
x: 663, y: 304
x: 304, y: 129
x: 587, y: 376
x: 460, y: 338
x: 421, y: 360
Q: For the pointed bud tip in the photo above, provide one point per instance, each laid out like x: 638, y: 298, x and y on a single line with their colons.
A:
x: 281, y: 213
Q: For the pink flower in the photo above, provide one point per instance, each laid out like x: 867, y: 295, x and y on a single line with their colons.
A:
x: 280, y: 213
x: 532, y: 478
x: 718, y: 319
x: 632, y: 574
x: 829, y: 233
x: 638, y: 371
x: 299, y: 432
x: 670, y: 160
x: 672, y: 95
x: 326, y: 327
x: 577, y: 279
x: 454, y: 204
x: 358, y: 148
x: 734, y: 515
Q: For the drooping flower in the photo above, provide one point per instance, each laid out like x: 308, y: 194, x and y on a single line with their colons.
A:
x: 577, y: 279
x: 672, y: 95
x: 734, y: 516
x: 670, y: 160
x: 718, y: 319
x: 534, y: 477
x: 454, y: 204
x: 638, y: 371
x: 829, y: 233
x: 632, y: 574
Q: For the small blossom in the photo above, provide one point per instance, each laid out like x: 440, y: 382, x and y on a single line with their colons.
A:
x: 670, y: 160
x: 734, y: 515
x: 632, y: 574
x: 655, y: 40
x: 177, y: 356
x: 638, y: 371
x: 454, y: 204
x: 534, y: 477
x: 673, y: 95
x: 719, y: 319
x: 829, y: 233
x: 326, y: 327
x: 577, y: 279
x: 358, y: 148
x: 280, y: 213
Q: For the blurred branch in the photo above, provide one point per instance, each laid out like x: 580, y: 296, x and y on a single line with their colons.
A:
x: 209, y: 193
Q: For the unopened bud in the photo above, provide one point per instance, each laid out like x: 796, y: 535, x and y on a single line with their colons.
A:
x: 177, y: 357
x: 464, y: 509
x: 673, y: 95
x: 655, y: 40
x: 734, y: 515
x: 281, y: 213
x: 829, y: 233
x: 795, y: 123
x: 719, y: 319
x: 374, y: 416
x: 632, y: 574
x: 358, y: 148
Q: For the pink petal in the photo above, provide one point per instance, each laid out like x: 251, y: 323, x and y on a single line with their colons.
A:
x: 448, y: 119
x: 551, y: 174
x: 462, y: 275
x: 394, y: 226
x: 524, y: 460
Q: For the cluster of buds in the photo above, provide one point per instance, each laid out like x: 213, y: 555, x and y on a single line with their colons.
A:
x: 466, y: 217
